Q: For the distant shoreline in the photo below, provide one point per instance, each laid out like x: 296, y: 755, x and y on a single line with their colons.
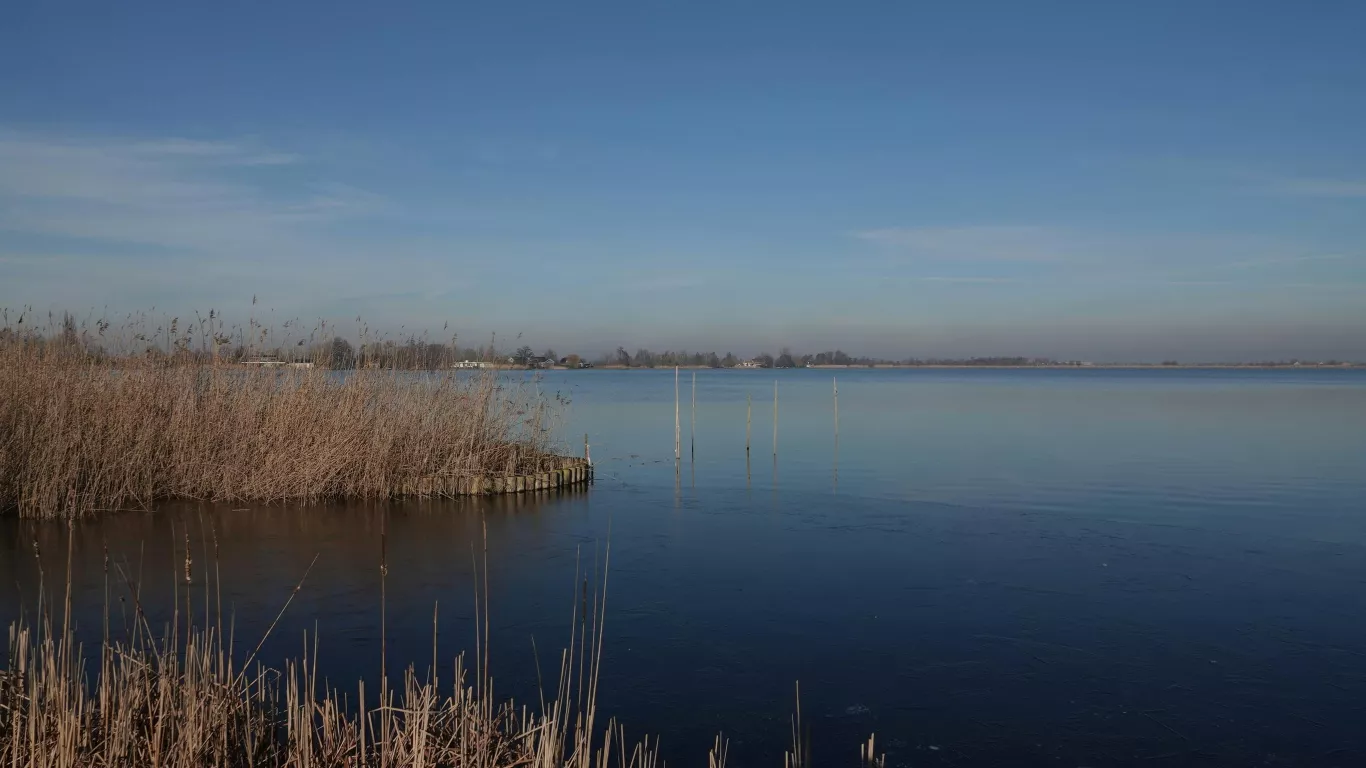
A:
x: 1058, y: 367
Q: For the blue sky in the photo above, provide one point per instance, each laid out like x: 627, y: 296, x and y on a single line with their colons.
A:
x: 1099, y: 180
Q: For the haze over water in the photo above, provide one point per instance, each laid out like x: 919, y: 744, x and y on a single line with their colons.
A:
x: 1026, y: 567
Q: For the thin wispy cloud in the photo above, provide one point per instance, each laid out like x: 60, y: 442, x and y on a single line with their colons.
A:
x: 129, y: 223
x: 1338, y: 286
x: 977, y: 243
x: 1280, y: 261
x: 968, y: 280
x: 1040, y: 246
x: 1198, y: 283
x: 664, y: 281
x: 120, y: 170
x: 228, y: 153
x: 1328, y: 188
x: 173, y: 193
x: 87, y: 219
x: 1014, y: 253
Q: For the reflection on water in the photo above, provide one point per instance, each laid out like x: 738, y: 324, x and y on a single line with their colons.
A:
x: 1016, y: 567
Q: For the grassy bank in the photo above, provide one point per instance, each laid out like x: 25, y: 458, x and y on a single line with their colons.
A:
x: 81, y: 433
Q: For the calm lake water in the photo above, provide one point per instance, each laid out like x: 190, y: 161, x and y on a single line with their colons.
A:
x: 1013, y: 567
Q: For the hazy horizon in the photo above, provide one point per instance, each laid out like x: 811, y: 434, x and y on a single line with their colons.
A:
x: 1114, y: 184
x: 1204, y: 345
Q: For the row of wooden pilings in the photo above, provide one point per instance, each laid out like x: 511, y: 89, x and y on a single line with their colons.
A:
x: 570, y: 473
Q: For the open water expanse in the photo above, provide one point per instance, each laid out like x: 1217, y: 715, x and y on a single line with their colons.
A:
x: 990, y: 567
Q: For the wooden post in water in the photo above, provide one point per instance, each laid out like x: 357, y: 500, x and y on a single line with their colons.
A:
x: 836, y: 384
x: 748, y: 408
x: 678, y: 455
x: 692, y: 430
x: 835, y: 464
x: 587, y: 457
x: 775, y: 418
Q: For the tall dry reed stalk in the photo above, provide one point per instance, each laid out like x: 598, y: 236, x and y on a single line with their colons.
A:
x: 80, y: 432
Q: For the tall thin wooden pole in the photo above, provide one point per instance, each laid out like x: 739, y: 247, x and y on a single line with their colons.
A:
x: 836, y: 384
x: 678, y: 454
x: 692, y: 430
x: 748, y: 409
x: 775, y: 418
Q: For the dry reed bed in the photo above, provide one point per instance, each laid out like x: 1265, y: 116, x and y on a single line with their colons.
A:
x: 79, y: 435
x: 183, y: 701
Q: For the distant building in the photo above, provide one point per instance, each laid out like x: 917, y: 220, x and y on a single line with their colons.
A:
x: 274, y: 362
x: 750, y: 364
x: 471, y: 364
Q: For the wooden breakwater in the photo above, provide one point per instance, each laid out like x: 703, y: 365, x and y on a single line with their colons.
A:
x: 567, y: 473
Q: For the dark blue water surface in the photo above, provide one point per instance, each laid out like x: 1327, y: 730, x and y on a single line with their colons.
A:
x: 989, y: 567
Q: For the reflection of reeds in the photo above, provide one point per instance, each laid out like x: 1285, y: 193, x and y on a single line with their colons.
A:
x: 180, y: 700
x: 81, y: 433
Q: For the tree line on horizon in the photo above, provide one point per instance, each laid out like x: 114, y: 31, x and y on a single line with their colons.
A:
x: 414, y: 353
x: 206, y: 340
x: 786, y: 358
x: 419, y: 354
